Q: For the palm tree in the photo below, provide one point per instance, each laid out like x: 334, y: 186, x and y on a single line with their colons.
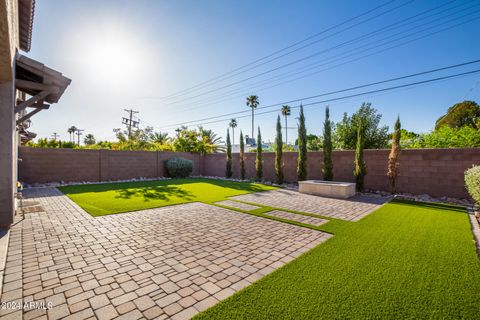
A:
x: 252, y: 102
x: 72, y: 131
x: 286, y: 112
x: 210, y: 141
x: 233, y: 124
x: 159, y: 137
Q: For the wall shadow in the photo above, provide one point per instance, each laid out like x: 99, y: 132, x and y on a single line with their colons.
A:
x: 155, y: 193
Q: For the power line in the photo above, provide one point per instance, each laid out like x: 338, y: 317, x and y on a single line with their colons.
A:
x: 335, y: 92
x: 283, y: 49
x: 359, y: 94
x: 336, y: 58
x: 366, y: 36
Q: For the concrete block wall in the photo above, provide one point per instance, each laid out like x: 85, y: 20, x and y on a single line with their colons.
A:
x: 41, y: 165
x: 438, y: 172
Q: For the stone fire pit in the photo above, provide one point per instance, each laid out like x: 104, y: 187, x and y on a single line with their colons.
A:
x: 333, y: 189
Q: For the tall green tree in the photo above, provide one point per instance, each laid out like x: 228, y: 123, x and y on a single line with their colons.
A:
x: 393, y: 164
x: 302, y: 147
x: 242, y: 157
x: 252, y: 102
x: 72, y: 131
x: 259, y: 160
x: 376, y: 137
x: 463, y: 114
x: 228, y: 172
x: 360, y: 167
x: 286, y: 111
x: 233, y: 124
x: 89, y: 139
x: 279, y: 153
x: 327, y: 147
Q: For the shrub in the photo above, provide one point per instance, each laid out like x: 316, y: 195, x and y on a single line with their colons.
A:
x: 228, y: 169
x: 302, y: 148
x: 258, y: 160
x: 242, y: 157
x: 327, y: 147
x: 472, y: 182
x: 393, y: 165
x: 279, y: 153
x: 360, y: 168
x: 179, y: 167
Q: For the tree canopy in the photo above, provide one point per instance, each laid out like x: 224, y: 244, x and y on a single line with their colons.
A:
x: 463, y: 114
x: 346, y: 131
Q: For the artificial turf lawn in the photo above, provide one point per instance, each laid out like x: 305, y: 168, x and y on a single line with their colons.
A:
x: 404, y: 261
x: 108, y: 198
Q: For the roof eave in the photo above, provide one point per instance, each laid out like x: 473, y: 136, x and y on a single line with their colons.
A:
x: 26, y: 12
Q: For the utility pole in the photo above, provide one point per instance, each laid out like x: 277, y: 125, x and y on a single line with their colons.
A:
x: 55, y: 136
x: 79, y: 133
x: 129, y: 122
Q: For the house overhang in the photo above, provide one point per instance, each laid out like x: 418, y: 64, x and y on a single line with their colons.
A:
x: 43, y: 84
x: 26, y: 11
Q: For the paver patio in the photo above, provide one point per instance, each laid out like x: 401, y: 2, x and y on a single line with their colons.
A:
x: 296, y: 217
x: 169, y: 262
x: 352, y: 209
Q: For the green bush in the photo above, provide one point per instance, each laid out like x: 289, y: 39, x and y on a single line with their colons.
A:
x: 472, y: 182
x: 179, y: 167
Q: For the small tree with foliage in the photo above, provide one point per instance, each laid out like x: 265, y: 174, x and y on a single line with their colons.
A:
x: 89, y: 139
x: 228, y: 172
x: 327, y: 147
x: 463, y: 114
x: 393, y: 165
x: 376, y: 137
x: 360, y: 167
x: 258, y: 160
x: 302, y: 148
x: 242, y: 157
x: 279, y: 153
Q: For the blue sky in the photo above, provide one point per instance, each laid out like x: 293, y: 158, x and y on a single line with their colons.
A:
x: 131, y: 54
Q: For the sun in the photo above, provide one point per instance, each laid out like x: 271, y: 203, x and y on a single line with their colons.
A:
x: 115, y: 56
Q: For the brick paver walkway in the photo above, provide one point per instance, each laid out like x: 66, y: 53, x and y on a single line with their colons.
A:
x: 297, y: 217
x: 161, y: 263
x: 237, y: 205
x: 352, y: 209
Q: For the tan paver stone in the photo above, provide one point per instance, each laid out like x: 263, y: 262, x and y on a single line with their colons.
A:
x: 99, y: 301
x: 58, y: 312
x: 106, y: 313
x: 126, y: 307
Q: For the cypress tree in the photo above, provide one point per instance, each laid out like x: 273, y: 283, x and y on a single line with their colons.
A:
x: 302, y: 148
x: 360, y: 167
x: 279, y: 153
x: 258, y: 161
x: 393, y: 165
x: 228, y: 172
x: 242, y: 157
x: 327, y: 147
